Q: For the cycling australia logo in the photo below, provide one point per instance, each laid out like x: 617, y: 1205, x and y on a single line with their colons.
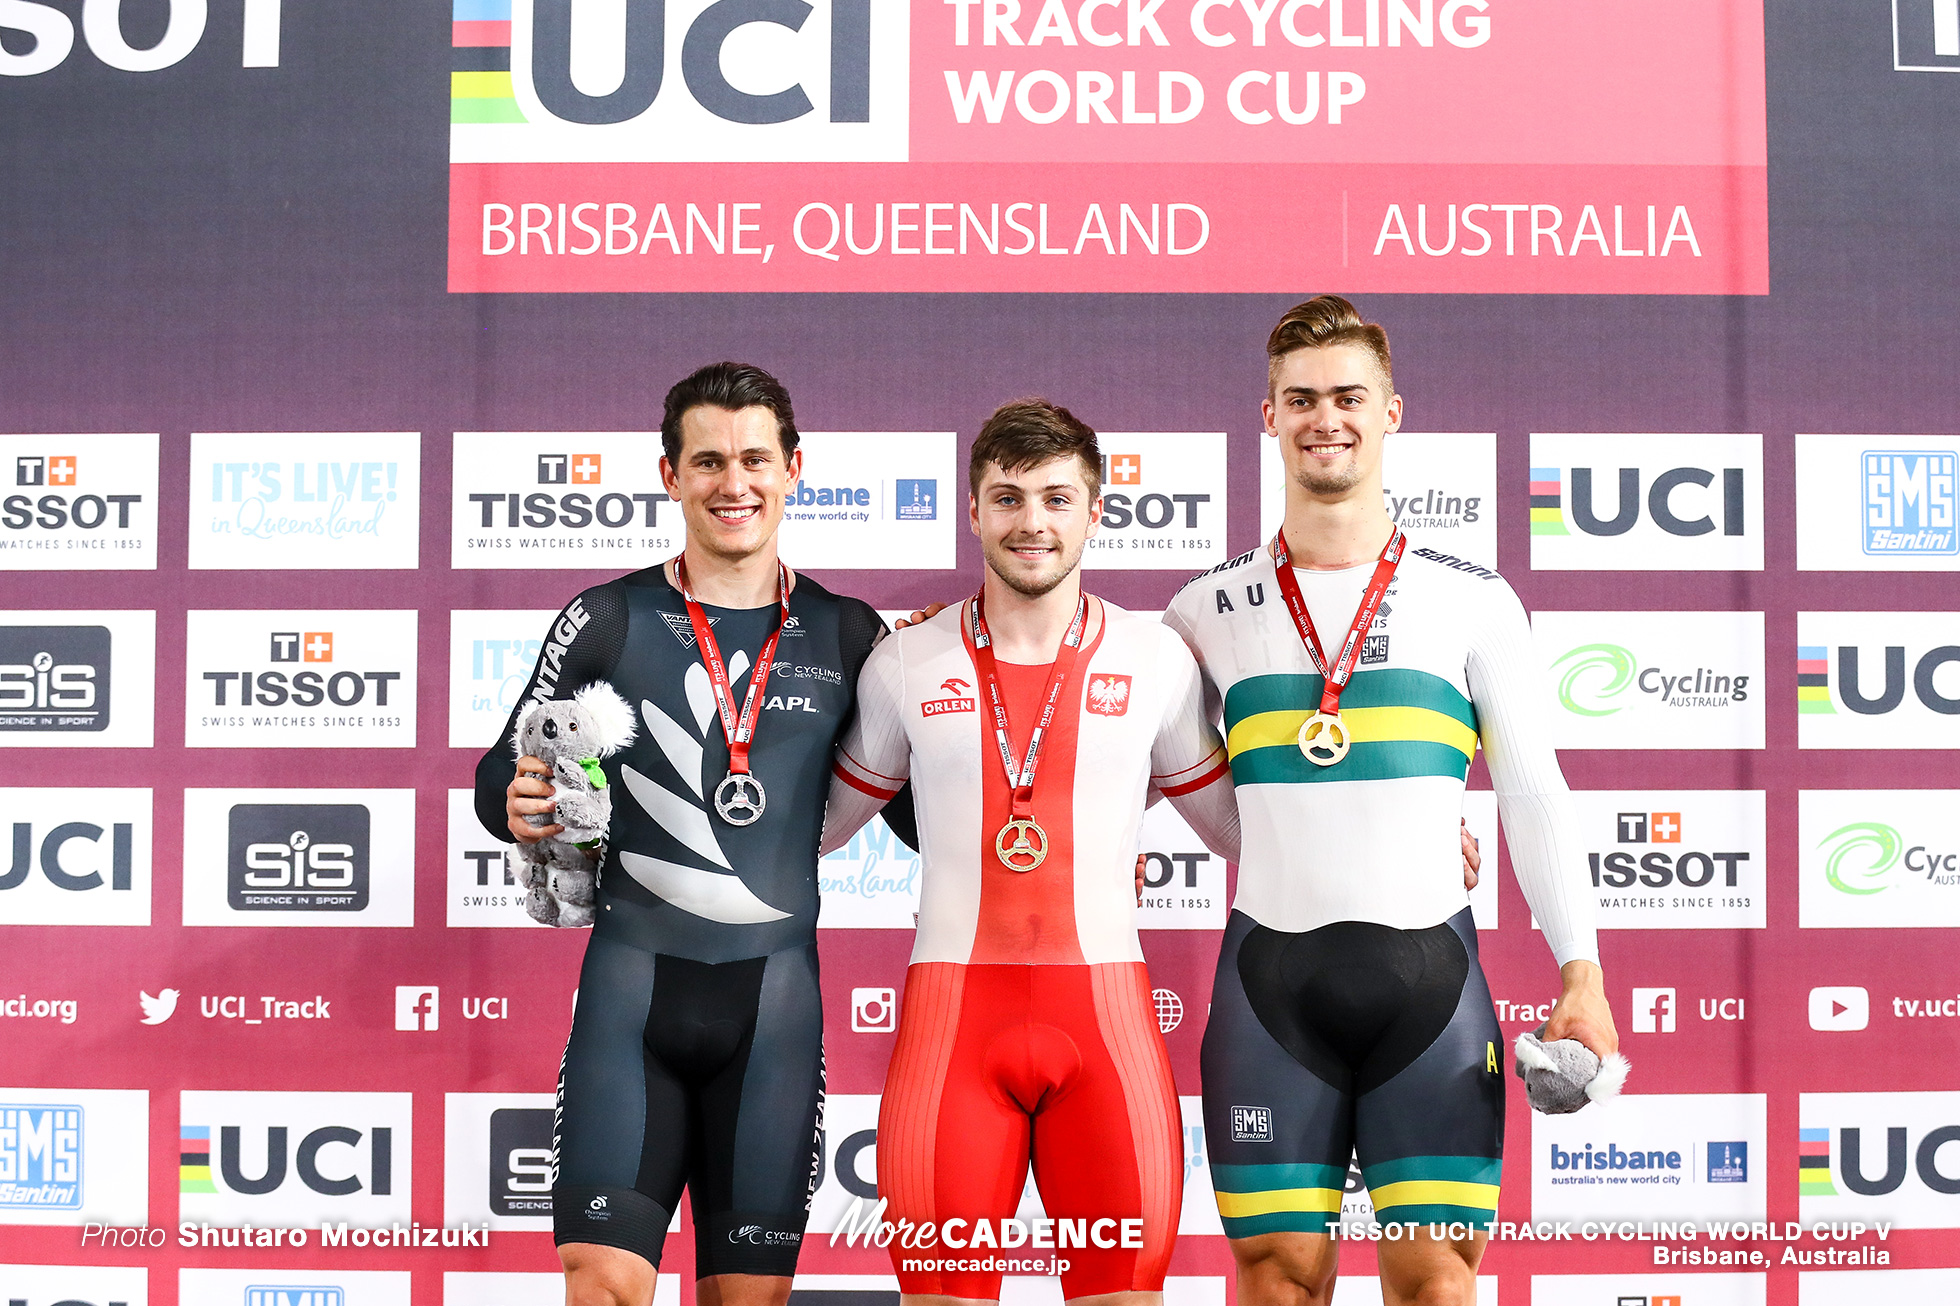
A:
x: 1646, y: 502
x: 1878, y: 858
x: 1877, y: 679
x: 300, y: 679
x: 1879, y: 1157
x: 308, y: 502
x: 577, y: 500
x: 1691, y: 859
x: 1655, y: 679
x: 295, y: 1158
x: 78, y: 856
x: 317, y: 857
x: 78, y: 503
x: 77, y: 679
x: 1163, y: 502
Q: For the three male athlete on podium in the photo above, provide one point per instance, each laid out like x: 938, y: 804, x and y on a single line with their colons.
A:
x: 1032, y: 723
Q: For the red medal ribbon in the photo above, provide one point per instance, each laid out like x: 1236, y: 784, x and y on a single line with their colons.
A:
x: 740, y: 730
x: 1333, y: 680
x: 1021, y: 779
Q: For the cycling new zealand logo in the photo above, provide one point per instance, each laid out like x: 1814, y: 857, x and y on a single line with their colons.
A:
x: 54, y: 679
x: 298, y: 857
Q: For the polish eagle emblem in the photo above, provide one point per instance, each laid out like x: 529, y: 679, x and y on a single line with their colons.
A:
x: 1109, y: 695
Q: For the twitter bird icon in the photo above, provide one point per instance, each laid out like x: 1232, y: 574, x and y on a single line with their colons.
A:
x: 160, y: 1008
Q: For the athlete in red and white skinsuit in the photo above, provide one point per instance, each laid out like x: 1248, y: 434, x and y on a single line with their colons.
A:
x: 1027, y: 1030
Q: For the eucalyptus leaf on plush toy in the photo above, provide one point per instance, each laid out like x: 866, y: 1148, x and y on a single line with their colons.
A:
x: 571, y: 736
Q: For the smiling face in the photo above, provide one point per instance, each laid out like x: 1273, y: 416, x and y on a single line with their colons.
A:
x: 732, y: 479
x: 1034, y: 523
x: 1330, y: 409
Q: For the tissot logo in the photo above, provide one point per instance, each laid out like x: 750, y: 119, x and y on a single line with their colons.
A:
x: 300, y: 679
x: 1646, y: 502
x: 579, y: 468
x: 1880, y: 1156
x: 295, y: 1157
x: 75, y: 856
x: 298, y: 857
x: 52, y: 36
x: 1878, y: 858
x: 78, y: 503
x: 1676, y: 859
x: 1183, y: 883
x: 560, y: 500
x: 55, y: 679
x: 1878, y: 679
x: 1655, y: 679
x: 1926, y: 36
x: 1163, y: 502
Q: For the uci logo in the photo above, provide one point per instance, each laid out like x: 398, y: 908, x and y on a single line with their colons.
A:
x: 708, y: 45
x: 52, y: 35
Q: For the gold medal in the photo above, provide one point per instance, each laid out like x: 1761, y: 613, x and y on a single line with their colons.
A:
x: 1324, y: 738
x: 1021, y: 845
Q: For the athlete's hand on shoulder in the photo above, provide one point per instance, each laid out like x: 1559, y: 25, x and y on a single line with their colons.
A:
x: 1581, y: 1011
x: 530, y: 792
x: 1140, y: 861
x: 932, y: 610
x: 1473, y: 861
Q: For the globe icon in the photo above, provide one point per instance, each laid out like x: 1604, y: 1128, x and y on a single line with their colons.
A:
x: 1170, y: 1009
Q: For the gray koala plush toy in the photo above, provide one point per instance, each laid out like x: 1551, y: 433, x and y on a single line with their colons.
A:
x: 1563, y: 1075
x: 570, y: 736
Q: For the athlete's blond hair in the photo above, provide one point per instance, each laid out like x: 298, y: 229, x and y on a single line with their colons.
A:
x: 1321, y: 323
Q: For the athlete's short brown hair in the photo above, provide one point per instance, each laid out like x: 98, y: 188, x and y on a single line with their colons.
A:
x: 1025, y: 433
x: 1320, y: 323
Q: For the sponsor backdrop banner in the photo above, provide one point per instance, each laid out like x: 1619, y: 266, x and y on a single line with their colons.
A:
x: 331, y: 359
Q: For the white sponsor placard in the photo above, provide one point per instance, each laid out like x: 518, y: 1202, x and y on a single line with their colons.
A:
x: 1878, y: 680
x: 582, y: 500
x: 51, y: 1285
x: 1649, y: 1289
x: 875, y: 501
x: 259, y: 1287
x: 78, y: 502
x: 1878, y: 858
x: 520, y: 1288
x: 297, y: 1158
x: 1653, y: 1156
x: 1893, y: 1287
x: 491, y: 654
x: 1183, y: 881
x: 1164, y: 498
x: 1891, y: 1158
x: 1646, y: 502
x: 1878, y: 502
x: 1654, y: 679
x: 1675, y: 859
x: 299, y: 857
x: 1199, y: 1214
x: 871, y: 883
x: 1366, y: 1290
x: 309, y: 502
x: 299, y: 679
x: 849, y: 1162
x: 74, y: 1156
x: 1046, y: 1290
x: 1440, y: 486
x: 77, y: 678
x: 480, y: 889
x: 496, y: 1160
x: 86, y: 860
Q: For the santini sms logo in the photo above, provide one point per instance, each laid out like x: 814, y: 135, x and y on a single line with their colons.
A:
x: 1910, y: 503
x: 1593, y: 677
x: 40, y: 1157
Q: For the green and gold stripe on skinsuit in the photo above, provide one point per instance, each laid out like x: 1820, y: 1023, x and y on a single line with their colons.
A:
x: 1256, y: 1199
x: 1402, y: 723
x: 1434, y: 1189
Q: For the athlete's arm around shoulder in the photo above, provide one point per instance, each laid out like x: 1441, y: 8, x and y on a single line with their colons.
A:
x: 582, y: 644
x: 1187, y: 759
x: 1507, y: 686
x: 875, y: 757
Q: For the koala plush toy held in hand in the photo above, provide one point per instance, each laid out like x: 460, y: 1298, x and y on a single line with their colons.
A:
x: 1563, y: 1075
x: 570, y: 736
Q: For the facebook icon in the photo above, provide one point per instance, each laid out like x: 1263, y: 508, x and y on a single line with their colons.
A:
x: 1910, y: 503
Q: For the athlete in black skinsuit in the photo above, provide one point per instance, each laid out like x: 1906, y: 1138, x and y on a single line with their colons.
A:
x: 702, y: 962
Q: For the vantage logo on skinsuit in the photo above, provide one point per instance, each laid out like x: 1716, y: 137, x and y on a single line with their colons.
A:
x: 1878, y: 679
x: 1684, y: 860
x: 68, y: 1153
x: 560, y: 500
x: 299, y: 857
x: 1163, y: 497
x: 1878, y: 503
x: 75, y: 856
x: 346, y: 500
x: 1440, y: 487
x: 300, y: 679
x: 1649, y: 1157
x: 296, y: 1158
x: 1654, y: 679
x: 1892, y: 1157
x: 1878, y: 858
x: 1646, y: 502
x: 78, y: 503
x: 77, y: 679
x: 868, y: 500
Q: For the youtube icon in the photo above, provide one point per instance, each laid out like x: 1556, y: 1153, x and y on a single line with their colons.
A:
x: 1839, y: 1007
